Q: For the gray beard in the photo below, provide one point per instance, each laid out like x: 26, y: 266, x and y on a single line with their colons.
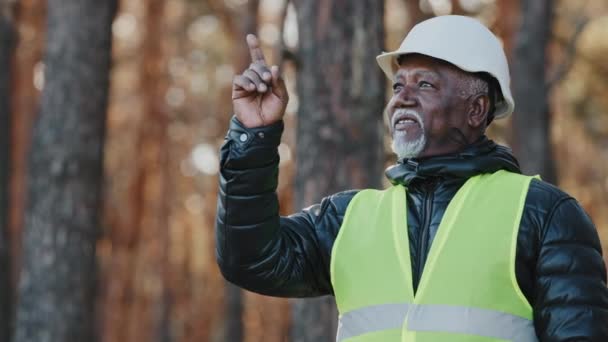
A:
x: 408, y: 149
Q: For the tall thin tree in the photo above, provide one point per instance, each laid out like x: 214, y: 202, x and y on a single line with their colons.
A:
x: 57, y: 282
x: 244, y: 21
x: 339, y: 136
x: 531, y: 124
x: 149, y: 311
x: 29, y: 24
x: 6, y: 51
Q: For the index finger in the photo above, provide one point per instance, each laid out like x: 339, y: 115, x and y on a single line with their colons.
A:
x: 254, y: 49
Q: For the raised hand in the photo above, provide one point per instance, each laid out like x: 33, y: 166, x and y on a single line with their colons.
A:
x: 259, y: 96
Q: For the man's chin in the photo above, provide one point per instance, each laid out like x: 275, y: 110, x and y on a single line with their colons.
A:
x: 405, y: 138
x: 407, y: 148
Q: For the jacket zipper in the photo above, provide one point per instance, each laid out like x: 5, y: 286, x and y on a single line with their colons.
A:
x: 426, y: 222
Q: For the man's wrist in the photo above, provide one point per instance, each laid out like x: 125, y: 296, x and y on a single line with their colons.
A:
x: 269, y: 135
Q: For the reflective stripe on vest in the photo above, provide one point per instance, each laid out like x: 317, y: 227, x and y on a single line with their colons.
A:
x: 438, y: 318
x: 370, y: 319
x: 468, y: 289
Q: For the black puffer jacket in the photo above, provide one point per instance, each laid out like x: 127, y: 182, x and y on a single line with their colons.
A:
x: 559, y: 264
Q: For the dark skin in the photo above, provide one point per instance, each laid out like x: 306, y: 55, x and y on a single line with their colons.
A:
x: 259, y: 95
x: 433, y: 88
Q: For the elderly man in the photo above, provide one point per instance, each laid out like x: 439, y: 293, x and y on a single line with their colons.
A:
x: 462, y: 247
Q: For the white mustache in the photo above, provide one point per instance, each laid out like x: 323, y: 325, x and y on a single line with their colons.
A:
x: 402, y: 111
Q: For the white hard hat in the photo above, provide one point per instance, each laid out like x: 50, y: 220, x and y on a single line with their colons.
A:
x: 461, y: 41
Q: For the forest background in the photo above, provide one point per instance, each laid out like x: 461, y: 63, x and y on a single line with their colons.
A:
x: 112, y: 113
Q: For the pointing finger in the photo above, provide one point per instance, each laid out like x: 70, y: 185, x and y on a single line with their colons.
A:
x: 254, y: 49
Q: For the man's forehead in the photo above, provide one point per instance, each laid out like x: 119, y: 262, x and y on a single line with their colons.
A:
x: 416, y: 70
x: 422, y: 65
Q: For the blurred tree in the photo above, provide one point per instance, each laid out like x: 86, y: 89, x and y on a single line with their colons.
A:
x: 139, y: 265
x: 149, y: 309
x: 339, y: 136
x: 247, y: 23
x: 234, y: 313
x: 532, y: 141
x: 415, y: 13
x: 6, y: 50
x: 26, y: 72
x: 57, y: 284
x: 506, y: 24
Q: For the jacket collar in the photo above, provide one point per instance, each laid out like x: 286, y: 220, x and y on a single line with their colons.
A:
x: 483, y: 156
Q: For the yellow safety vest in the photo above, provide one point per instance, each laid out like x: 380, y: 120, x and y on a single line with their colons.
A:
x: 468, y: 290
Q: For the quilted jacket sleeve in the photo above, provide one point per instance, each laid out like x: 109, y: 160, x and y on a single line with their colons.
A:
x: 255, y: 247
x: 571, y: 297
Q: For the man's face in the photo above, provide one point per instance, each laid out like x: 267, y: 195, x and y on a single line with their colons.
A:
x: 427, y: 112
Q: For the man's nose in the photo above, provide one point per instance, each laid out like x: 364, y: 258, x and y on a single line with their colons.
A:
x: 405, y: 99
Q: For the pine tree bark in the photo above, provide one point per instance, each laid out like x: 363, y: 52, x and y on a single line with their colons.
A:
x: 148, y: 318
x: 244, y: 21
x: 415, y: 14
x: 57, y: 283
x: 29, y: 25
x: 506, y: 25
x: 6, y: 52
x: 532, y: 121
x: 339, y: 136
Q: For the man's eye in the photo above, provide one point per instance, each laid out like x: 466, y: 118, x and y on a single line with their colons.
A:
x: 424, y: 84
x: 397, y: 87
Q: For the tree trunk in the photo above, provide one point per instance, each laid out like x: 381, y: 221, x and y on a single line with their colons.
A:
x: 57, y: 284
x: 148, y: 320
x: 6, y: 51
x: 415, y: 14
x: 233, y: 330
x: 506, y: 25
x: 29, y: 24
x: 246, y: 23
x: 339, y: 136
x: 531, y: 123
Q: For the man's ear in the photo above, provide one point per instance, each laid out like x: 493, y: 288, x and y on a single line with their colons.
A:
x: 478, y: 110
